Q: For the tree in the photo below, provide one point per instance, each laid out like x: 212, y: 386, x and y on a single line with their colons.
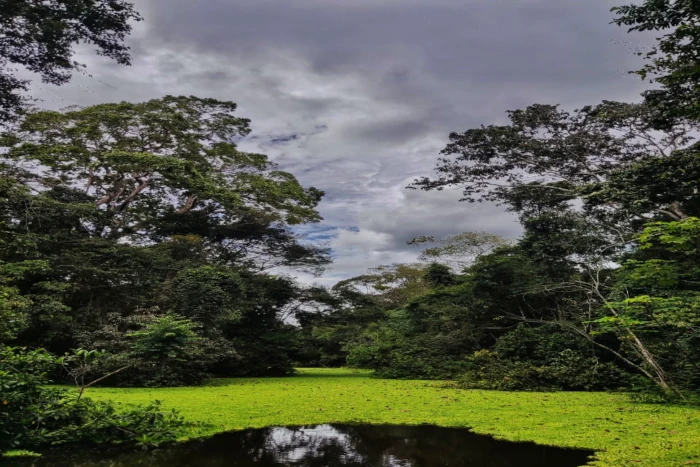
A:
x: 394, y: 285
x: 119, y: 208
x: 673, y: 60
x: 440, y: 275
x: 41, y: 35
x: 654, y: 305
x: 656, y: 187
x: 165, y: 167
x: 458, y: 250
x: 547, y: 157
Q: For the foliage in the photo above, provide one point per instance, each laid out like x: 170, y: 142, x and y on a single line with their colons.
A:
x: 208, y: 295
x: 393, y: 285
x: 41, y: 35
x: 440, y: 275
x: 673, y: 60
x: 326, y: 333
x: 404, y: 361
x: 541, y: 359
x: 155, y: 349
x: 546, y: 155
x: 34, y: 416
x: 168, y: 351
x: 657, y: 299
x: 153, y: 168
x: 13, y: 314
x: 429, y: 338
x: 656, y: 185
x: 169, y: 337
x: 458, y: 250
x: 114, y: 209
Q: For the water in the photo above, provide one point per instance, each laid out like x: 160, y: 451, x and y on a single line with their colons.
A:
x: 335, y: 445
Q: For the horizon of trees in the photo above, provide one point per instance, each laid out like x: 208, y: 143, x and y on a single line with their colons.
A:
x: 141, y: 231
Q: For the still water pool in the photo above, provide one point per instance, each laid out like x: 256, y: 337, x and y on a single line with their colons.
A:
x: 333, y: 445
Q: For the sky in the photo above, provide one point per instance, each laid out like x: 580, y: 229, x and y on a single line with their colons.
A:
x: 358, y: 97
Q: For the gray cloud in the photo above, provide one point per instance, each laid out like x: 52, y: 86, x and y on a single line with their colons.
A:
x: 357, y: 97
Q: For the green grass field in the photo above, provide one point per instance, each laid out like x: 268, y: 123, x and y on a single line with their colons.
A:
x: 623, y: 433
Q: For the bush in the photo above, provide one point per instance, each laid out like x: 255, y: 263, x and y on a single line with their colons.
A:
x: 260, y: 355
x: 569, y: 372
x: 541, y: 359
x: 157, y: 351
x: 405, y: 361
x: 33, y: 416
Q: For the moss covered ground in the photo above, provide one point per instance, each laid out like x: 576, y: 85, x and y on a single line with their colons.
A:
x: 622, y: 432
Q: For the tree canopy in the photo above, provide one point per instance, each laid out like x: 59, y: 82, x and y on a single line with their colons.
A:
x: 115, y: 215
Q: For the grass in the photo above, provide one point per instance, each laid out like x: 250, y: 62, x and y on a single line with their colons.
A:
x: 623, y: 433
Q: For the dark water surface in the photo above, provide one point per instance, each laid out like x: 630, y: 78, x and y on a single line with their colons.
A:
x: 336, y: 445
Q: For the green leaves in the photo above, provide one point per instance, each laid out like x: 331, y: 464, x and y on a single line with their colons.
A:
x: 148, y: 167
x: 170, y: 336
x: 41, y: 36
x: 33, y: 415
x: 672, y: 62
x: 209, y: 295
x: 13, y: 313
x: 679, y: 237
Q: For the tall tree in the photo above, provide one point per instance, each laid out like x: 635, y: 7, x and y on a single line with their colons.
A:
x: 113, y: 215
x: 165, y: 167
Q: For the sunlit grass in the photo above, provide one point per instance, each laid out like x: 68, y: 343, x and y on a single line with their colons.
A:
x: 623, y: 433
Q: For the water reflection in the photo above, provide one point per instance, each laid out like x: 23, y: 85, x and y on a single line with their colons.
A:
x: 338, y: 445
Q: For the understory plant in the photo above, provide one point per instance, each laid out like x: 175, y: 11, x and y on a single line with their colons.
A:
x: 152, y: 349
x: 541, y: 359
x: 34, y: 416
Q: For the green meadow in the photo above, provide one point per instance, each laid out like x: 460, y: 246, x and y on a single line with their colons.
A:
x: 622, y: 432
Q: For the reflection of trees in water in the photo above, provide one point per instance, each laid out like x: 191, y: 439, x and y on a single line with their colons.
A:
x: 429, y: 446
x: 341, y: 445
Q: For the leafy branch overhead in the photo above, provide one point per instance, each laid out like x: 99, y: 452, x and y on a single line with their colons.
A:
x: 40, y: 36
x: 547, y: 156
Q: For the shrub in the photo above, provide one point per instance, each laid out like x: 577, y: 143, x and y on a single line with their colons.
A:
x: 405, y: 361
x: 541, y: 359
x: 33, y: 416
x: 259, y: 355
x: 157, y: 351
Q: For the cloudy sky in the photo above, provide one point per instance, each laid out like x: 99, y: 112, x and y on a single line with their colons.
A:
x: 357, y: 97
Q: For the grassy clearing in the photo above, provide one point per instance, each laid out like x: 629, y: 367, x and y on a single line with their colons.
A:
x: 625, y: 434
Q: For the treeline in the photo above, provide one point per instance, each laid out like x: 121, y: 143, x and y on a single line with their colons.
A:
x: 141, y: 230
x: 601, y: 291
x: 135, y: 247
x: 141, y: 233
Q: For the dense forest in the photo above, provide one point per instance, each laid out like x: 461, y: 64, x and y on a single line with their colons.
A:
x: 600, y: 292
x: 139, y: 246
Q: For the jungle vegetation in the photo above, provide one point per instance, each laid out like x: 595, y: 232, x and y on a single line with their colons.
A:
x: 139, y: 246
